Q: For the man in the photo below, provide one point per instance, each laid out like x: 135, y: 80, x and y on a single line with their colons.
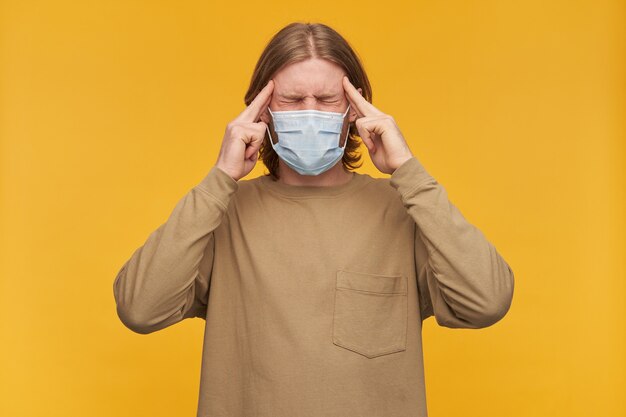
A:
x: 314, y: 280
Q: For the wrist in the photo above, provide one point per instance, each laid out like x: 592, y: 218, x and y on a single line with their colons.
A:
x: 402, y: 161
x: 226, y: 171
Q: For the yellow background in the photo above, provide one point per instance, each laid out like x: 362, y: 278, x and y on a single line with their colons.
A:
x: 112, y: 110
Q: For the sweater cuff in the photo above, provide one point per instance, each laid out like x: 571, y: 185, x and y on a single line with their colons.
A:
x: 218, y: 184
x: 410, y: 175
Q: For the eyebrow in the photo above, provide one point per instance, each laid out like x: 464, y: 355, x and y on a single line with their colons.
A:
x: 295, y: 95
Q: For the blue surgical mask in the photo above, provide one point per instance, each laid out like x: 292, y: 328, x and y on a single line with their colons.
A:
x: 308, y: 140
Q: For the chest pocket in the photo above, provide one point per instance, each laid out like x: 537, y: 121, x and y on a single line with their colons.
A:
x: 370, y: 313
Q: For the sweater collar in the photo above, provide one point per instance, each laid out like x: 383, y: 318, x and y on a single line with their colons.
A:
x: 288, y: 190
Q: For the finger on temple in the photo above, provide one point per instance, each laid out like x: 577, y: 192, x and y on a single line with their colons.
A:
x: 361, y: 105
x: 251, y: 113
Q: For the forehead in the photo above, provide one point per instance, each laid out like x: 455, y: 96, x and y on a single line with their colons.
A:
x: 314, y: 76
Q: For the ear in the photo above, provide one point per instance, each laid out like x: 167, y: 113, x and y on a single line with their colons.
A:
x: 265, y: 116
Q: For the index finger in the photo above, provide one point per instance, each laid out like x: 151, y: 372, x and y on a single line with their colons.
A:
x: 362, y: 106
x: 251, y: 113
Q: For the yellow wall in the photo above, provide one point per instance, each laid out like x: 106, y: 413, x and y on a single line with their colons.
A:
x: 111, y: 110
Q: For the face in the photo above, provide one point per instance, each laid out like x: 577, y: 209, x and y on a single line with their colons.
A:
x: 313, y: 84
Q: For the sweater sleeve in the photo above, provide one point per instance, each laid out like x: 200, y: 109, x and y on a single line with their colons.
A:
x: 166, y: 280
x: 462, y: 279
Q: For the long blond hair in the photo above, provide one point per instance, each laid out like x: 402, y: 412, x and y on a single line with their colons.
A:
x: 298, y: 42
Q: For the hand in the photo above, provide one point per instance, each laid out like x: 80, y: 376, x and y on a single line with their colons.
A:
x: 244, y: 136
x: 379, y: 132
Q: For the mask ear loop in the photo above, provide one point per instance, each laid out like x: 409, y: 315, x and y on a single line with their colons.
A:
x: 270, y: 135
x: 267, y: 127
x: 348, y: 130
x: 344, y: 114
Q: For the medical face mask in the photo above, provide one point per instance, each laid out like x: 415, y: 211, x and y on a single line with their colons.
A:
x: 308, y: 140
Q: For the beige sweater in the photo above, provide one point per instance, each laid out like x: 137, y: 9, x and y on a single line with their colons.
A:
x: 314, y: 297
